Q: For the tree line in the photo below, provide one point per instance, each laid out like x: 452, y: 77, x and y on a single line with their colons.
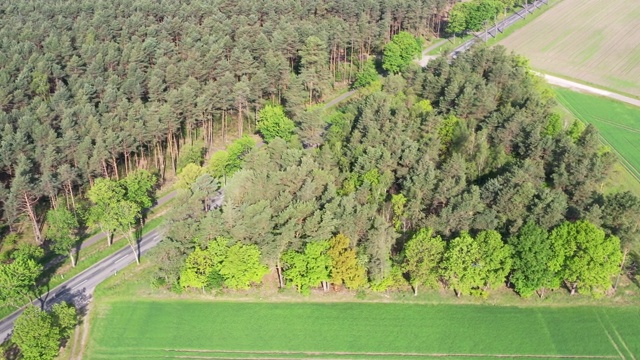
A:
x: 457, y: 174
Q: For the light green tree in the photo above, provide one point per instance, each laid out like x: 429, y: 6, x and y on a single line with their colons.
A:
x: 457, y: 21
x: 242, y: 267
x: 18, y: 278
x: 61, y: 230
x: 592, y: 258
x: 274, y: 123
x: 392, y: 58
x: 138, y: 187
x: 197, y: 269
x: 399, y: 53
x: 36, y: 335
x: 461, y: 265
x: 104, y: 194
x: 188, y: 176
x: 308, y: 269
x: 126, y: 214
x: 495, y: 258
x: 422, y: 256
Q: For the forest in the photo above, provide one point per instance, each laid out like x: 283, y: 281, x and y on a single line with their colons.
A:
x: 95, y: 89
x: 457, y: 175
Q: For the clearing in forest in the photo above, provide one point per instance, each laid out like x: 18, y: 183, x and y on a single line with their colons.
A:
x: 590, y: 40
x: 617, y: 123
x: 214, y: 330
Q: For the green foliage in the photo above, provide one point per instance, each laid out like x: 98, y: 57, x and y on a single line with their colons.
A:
x: 472, y: 266
x: 398, y: 202
x: 473, y: 15
x: 197, y: 269
x: 367, y: 75
x: 241, y: 267
x: 533, y: 256
x: 188, y: 176
x: 576, y: 129
x: 105, y: 194
x: 65, y: 318
x: 237, y: 266
x: 308, y: 269
x: 554, y: 125
x: 18, y: 279
x: 345, y: 267
x: 138, y: 187
x: 399, y: 53
x: 393, y: 281
x: 190, y: 154
x: 591, y: 257
x: 218, y: 164
x: 62, y: 227
x: 457, y: 20
x: 38, y: 333
x: 422, y: 256
x: 446, y: 130
x: 274, y: 123
x: 224, y: 163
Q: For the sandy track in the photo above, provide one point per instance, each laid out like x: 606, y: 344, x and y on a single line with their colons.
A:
x: 589, y: 89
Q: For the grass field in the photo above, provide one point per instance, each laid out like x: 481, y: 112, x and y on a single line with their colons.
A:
x: 203, y: 330
x: 618, y: 123
x: 591, y: 40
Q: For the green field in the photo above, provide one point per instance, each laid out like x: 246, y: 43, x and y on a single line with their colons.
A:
x: 202, y: 330
x: 618, y: 123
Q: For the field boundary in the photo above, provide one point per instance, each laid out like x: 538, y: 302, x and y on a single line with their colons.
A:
x: 184, y: 354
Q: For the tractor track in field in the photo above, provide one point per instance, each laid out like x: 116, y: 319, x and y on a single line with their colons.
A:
x: 381, y: 354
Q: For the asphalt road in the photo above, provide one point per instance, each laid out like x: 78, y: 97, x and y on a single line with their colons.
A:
x: 99, y: 236
x: 498, y: 28
x: 78, y: 289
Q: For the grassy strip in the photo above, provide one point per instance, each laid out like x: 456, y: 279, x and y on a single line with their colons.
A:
x: 449, y: 44
x: 139, y: 329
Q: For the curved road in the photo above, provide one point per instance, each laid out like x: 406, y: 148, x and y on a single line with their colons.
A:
x: 78, y: 289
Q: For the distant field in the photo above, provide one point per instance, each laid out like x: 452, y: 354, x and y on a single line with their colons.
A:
x: 214, y: 330
x: 590, y: 40
x: 618, y: 123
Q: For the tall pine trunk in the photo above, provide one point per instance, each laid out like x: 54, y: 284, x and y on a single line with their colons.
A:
x: 34, y: 219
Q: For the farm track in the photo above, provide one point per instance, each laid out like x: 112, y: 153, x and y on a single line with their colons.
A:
x: 237, y: 354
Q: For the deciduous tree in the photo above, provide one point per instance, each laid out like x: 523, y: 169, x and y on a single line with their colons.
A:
x: 345, y: 267
x: 62, y: 228
x: 422, y: 256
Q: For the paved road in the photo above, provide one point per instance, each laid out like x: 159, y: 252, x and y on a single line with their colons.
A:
x: 79, y: 288
x: 493, y: 31
x: 97, y: 237
x: 339, y: 99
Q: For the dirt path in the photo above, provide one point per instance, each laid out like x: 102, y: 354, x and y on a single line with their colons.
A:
x: 339, y: 99
x: 589, y: 89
